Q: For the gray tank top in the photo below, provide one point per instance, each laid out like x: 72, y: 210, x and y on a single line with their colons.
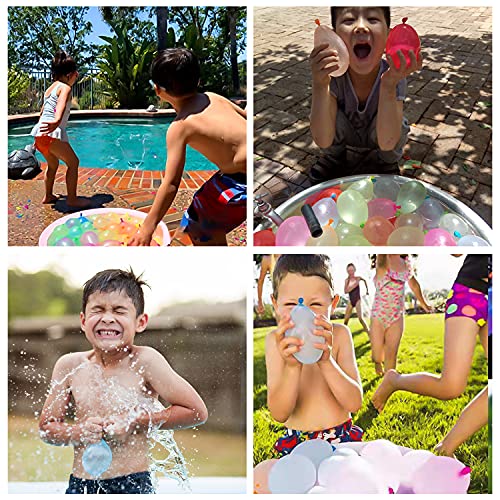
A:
x: 49, y: 113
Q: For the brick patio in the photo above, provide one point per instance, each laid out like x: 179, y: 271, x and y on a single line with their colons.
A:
x: 121, y: 188
x: 448, y: 103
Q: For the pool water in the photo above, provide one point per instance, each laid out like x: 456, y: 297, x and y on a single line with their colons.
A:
x: 122, y: 144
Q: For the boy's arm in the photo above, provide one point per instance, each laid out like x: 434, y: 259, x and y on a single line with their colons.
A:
x: 186, y: 409
x: 176, y: 158
x: 345, y: 285
x: 324, y: 106
x: 341, y: 374
x: 415, y: 288
x: 390, y: 110
x: 53, y: 429
x: 283, y: 371
x: 240, y: 111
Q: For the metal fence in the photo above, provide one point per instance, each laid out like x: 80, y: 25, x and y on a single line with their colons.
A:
x: 87, y: 92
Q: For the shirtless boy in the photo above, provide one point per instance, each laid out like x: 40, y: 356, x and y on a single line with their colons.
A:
x: 216, y: 128
x: 313, y: 401
x: 115, y: 389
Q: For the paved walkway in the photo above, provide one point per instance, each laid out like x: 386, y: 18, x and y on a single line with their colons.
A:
x: 448, y: 104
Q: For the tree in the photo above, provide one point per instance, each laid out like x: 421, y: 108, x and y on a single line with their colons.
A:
x: 232, y: 17
x: 161, y: 27
x: 36, y: 33
x: 124, y: 67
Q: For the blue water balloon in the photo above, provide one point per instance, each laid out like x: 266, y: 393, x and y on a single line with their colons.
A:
x: 97, y: 458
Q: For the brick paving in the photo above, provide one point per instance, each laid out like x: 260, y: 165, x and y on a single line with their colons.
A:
x: 124, y: 188
x: 448, y: 103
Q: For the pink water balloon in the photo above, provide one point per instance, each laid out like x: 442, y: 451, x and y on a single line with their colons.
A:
x: 323, y: 34
x: 377, y: 230
x: 383, y: 207
x: 442, y: 475
x: 438, y: 237
x: 293, y: 232
x: 404, y: 38
x: 89, y: 239
x: 261, y: 476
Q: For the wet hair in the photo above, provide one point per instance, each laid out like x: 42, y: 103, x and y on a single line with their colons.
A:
x: 334, y: 11
x: 116, y: 280
x: 305, y: 265
x: 177, y: 71
x: 62, y: 65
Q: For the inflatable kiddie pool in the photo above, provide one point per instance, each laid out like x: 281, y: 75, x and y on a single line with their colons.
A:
x: 72, y: 227
x: 474, y: 227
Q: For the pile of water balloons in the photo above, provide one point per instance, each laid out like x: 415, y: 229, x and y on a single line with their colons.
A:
x: 373, y: 211
x: 315, y: 466
x: 99, y: 229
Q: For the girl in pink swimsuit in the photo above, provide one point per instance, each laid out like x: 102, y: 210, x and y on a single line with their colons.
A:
x: 387, y: 319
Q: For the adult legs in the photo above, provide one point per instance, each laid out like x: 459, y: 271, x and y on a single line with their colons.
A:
x: 459, y: 343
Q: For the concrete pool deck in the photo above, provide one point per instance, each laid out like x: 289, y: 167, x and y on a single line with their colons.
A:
x: 105, y: 187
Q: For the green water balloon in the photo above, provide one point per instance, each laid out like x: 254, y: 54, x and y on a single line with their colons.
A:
x: 411, y: 195
x: 352, y: 207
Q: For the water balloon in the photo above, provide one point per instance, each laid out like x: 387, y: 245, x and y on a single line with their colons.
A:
x: 472, y: 241
x: 316, y: 450
x: 97, y: 458
x: 385, y: 187
x: 377, y: 230
x: 441, y: 475
x: 261, y: 476
x: 406, y: 236
x: 404, y: 38
x: 323, y: 34
x: 293, y: 232
x: 413, y: 219
x: 303, y: 319
x: 326, y: 211
x: 264, y: 238
x: 364, y: 187
x: 328, y: 238
x: 438, y: 237
x: 352, y: 207
x: 292, y: 474
x: 384, y: 207
x: 455, y: 225
x: 411, y: 195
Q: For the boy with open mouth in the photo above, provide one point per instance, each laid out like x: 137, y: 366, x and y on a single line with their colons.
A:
x: 361, y: 110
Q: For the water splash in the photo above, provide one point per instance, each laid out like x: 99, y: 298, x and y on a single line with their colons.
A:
x: 165, y: 457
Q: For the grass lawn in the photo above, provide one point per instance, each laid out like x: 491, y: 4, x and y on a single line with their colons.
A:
x: 206, y: 453
x: 408, y: 420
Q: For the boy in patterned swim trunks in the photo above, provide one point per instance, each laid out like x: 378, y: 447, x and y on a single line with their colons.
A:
x: 313, y: 401
x: 216, y: 128
x: 466, y: 317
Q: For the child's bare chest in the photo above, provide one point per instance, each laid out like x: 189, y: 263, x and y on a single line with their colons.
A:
x: 98, y: 392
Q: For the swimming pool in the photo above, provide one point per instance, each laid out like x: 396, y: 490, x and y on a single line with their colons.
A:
x: 116, y: 143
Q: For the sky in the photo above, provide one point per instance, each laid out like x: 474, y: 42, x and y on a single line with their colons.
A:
x: 174, y: 276
x: 434, y: 272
